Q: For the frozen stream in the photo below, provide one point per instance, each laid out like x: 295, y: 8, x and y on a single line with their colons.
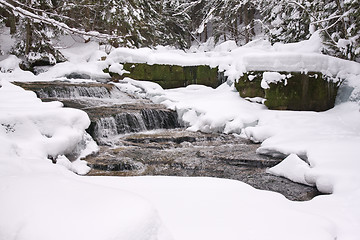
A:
x: 137, y: 138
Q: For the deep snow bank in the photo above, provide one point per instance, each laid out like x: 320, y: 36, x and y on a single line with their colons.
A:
x: 37, y: 130
x: 41, y: 200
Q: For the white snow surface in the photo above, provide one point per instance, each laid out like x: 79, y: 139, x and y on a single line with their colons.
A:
x: 42, y: 200
x: 293, y: 168
x: 272, y: 77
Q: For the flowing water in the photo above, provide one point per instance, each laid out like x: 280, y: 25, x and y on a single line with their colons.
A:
x: 137, y: 137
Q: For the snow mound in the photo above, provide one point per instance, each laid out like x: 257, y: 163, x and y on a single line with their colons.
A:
x: 9, y: 64
x: 292, y: 168
x: 301, y: 62
x: 272, y: 77
x: 41, y: 200
x: 38, y: 130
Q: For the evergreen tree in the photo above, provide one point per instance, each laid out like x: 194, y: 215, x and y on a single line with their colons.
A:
x: 340, y: 26
x: 224, y: 19
x: 337, y: 21
x: 140, y: 23
x: 33, y: 38
x: 234, y: 20
x: 136, y: 22
x: 174, y: 25
x: 287, y: 21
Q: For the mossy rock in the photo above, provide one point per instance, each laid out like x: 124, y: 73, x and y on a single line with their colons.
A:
x: 310, y: 91
x: 249, y: 85
x: 170, y: 76
x: 207, y: 76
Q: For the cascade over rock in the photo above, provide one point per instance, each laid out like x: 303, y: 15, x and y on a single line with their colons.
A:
x: 111, y: 111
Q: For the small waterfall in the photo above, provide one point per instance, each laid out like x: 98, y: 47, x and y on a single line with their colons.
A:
x: 71, y: 92
x: 117, y: 112
x: 128, y: 122
x: 156, y: 118
x: 105, y: 127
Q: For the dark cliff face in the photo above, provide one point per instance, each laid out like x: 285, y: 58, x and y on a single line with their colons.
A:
x: 310, y: 91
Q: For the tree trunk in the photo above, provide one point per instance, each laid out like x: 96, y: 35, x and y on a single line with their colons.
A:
x: 343, y: 24
x: 28, y: 37
x: 246, y: 22
x: 12, y: 23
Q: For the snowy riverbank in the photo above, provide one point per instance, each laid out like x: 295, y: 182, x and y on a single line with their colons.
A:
x: 40, y: 200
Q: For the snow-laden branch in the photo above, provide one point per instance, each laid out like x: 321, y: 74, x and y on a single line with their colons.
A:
x: 185, y: 8
x: 37, y: 18
x: 205, y: 20
x: 330, y: 18
x: 316, y: 20
x: 41, y: 11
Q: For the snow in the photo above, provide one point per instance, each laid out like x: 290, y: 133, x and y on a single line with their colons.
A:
x: 328, y: 141
x: 258, y: 55
x: 9, y: 64
x: 208, y: 208
x: 6, y: 42
x: 83, y: 59
x: 272, y: 77
x: 117, y: 68
x: 62, y: 207
x: 42, y: 200
x: 293, y: 168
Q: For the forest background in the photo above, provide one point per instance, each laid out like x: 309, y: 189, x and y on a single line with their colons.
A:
x: 35, y: 25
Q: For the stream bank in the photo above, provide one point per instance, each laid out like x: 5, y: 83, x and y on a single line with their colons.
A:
x: 137, y: 138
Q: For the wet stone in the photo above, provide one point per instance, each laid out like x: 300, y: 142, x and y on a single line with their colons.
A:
x: 178, y: 152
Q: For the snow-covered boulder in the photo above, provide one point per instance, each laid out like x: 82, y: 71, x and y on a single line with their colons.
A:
x: 312, y: 91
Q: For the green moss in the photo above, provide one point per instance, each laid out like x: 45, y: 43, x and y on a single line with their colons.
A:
x: 207, y: 76
x: 137, y: 71
x: 311, y: 91
x: 170, y: 76
x: 250, y: 88
x: 190, y: 75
